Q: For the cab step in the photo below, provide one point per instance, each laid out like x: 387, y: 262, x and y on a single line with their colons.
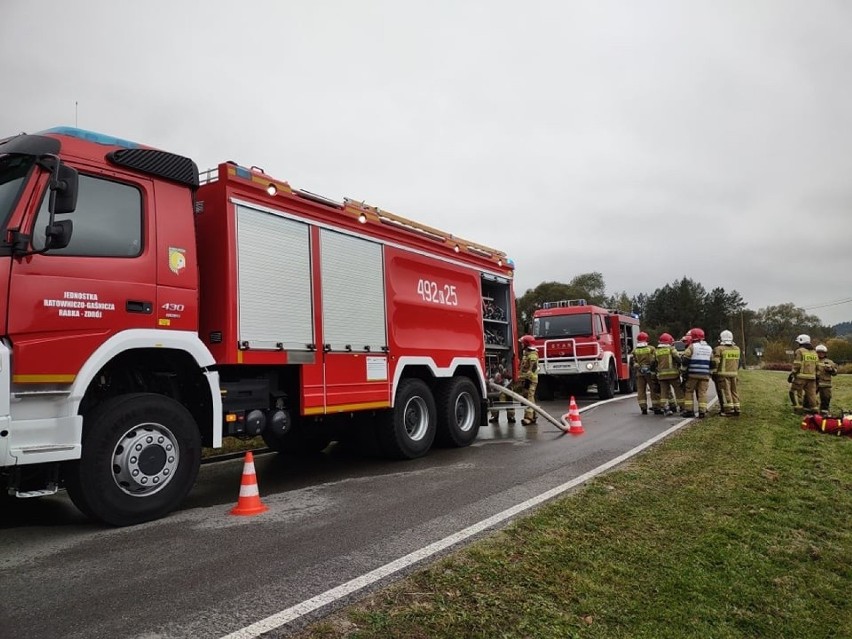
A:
x: 44, y: 492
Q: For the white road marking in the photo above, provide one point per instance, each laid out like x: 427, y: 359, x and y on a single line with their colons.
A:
x: 329, y: 596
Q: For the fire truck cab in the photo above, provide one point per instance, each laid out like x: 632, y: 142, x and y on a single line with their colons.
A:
x: 580, y: 344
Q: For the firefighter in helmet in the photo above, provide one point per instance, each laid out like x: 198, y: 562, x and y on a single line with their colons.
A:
x: 687, y: 340
x: 803, y: 377
x: 826, y: 369
x: 696, y: 364
x: 726, y: 364
x: 667, y: 369
x: 642, y: 358
x: 529, y: 376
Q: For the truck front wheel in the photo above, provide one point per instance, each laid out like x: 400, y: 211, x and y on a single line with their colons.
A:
x: 626, y: 386
x: 408, y: 429
x: 608, y: 383
x: 141, y: 454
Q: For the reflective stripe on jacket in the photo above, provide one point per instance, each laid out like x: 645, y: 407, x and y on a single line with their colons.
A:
x: 726, y: 357
x: 643, y: 355
x: 826, y: 369
x: 804, y: 363
x: 529, y: 365
x: 668, y: 361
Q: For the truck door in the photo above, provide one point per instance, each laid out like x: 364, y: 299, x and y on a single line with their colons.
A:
x: 65, y: 303
x: 355, y: 360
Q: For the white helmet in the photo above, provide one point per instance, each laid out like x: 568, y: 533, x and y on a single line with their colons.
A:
x: 726, y: 337
x: 821, y: 348
x: 803, y: 339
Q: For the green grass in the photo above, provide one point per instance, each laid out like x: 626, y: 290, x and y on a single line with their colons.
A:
x: 730, y: 528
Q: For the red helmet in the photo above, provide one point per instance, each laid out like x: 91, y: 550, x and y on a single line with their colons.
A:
x: 665, y: 338
x: 642, y: 337
x: 527, y: 341
x: 697, y: 334
x: 686, y: 339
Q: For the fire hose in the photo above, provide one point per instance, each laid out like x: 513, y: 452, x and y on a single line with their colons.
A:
x: 561, y: 425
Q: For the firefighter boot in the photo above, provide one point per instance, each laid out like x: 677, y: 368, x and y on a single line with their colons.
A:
x: 796, y: 407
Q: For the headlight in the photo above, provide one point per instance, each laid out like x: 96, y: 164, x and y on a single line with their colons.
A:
x: 589, y: 366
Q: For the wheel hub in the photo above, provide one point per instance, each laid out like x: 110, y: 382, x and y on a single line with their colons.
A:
x: 416, y: 418
x: 145, y: 459
x: 464, y: 412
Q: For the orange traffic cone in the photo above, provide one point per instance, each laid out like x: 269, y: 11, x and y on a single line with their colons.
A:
x: 249, y: 502
x: 576, y: 426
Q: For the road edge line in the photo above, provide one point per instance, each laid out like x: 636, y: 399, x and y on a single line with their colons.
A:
x: 288, y: 615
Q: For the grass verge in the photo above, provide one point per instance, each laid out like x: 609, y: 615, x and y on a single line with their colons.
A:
x: 731, y: 528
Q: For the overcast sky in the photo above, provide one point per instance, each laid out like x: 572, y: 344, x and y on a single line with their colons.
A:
x: 645, y: 140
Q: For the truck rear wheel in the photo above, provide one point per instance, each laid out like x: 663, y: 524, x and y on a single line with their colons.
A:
x: 141, y: 454
x: 458, y: 412
x: 608, y: 383
x: 408, y: 429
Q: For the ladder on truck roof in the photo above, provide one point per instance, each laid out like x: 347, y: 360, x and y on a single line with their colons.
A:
x: 564, y: 303
x: 363, y: 212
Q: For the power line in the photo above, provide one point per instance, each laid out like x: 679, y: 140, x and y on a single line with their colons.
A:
x: 827, y: 304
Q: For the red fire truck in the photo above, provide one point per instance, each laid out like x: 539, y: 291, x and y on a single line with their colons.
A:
x: 580, y: 344
x: 149, y: 313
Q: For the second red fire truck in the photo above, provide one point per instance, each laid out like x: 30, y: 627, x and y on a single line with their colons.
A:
x: 147, y: 314
x: 580, y: 344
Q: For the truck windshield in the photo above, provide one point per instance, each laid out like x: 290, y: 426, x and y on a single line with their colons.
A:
x: 563, y: 326
x: 13, y: 175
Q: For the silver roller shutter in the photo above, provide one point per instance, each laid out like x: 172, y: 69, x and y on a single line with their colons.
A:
x: 274, y: 279
x: 353, y: 292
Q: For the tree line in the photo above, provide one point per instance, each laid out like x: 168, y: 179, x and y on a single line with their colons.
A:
x: 767, y: 333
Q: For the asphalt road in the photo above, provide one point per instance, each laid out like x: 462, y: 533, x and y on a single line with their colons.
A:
x: 204, y: 573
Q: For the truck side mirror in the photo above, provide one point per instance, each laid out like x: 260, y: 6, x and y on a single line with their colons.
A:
x: 58, y: 234
x: 65, y: 189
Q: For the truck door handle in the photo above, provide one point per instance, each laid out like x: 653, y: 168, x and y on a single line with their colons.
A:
x: 135, y: 306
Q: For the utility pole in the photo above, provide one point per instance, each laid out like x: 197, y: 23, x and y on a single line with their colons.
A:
x: 742, y: 331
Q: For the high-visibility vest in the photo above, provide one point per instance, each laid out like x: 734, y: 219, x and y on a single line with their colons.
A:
x: 698, y: 356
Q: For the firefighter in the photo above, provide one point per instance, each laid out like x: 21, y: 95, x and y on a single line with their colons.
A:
x: 726, y: 364
x: 529, y: 376
x: 697, y: 364
x: 502, y: 378
x: 826, y: 369
x: 667, y: 369
x: 687, y: 340
x: 642, y: 358
x: 803, y: 378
